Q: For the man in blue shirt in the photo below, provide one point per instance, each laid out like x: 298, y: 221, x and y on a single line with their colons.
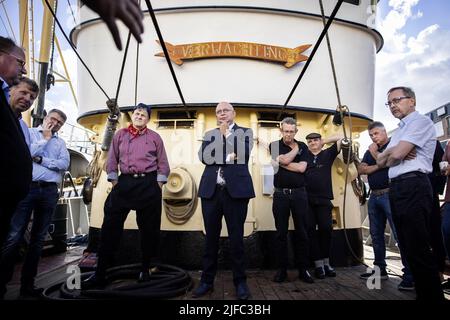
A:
x: 50, y: 160
x: 410, y: 192
x: 23, y: 95
x: 379, y: 209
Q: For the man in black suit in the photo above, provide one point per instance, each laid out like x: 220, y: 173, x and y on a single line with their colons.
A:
x: 225, y: 188
x: 15, y: 162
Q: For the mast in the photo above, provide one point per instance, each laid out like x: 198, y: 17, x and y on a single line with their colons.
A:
x: 44, y: 58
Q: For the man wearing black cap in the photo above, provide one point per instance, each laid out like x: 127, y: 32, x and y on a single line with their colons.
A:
x: 140, y: 155
x: 289, y: 161
x: 320, y: 194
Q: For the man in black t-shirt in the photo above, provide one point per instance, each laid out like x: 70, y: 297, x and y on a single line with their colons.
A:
x: 289, y: 161
x: 320, y: 193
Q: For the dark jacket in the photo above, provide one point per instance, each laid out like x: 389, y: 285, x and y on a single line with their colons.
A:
x: 213, y: 154
x: 15, y: 161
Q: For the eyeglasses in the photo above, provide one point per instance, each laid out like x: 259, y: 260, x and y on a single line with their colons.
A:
x: 57, y: 121
x: 223, y: 111
x: 395, y: 101
x: 19, y: 61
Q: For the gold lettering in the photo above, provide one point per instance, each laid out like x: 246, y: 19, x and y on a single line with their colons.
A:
x: 217, y: 50
x: 187, y: 51
x: 205, y: 50
x: 272, y: 53
x: 227, y: 49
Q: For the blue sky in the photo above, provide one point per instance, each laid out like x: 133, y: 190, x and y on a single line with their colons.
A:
x: 416, y: 52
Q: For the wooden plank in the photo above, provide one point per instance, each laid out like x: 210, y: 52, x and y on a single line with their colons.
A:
x: 252, y: 282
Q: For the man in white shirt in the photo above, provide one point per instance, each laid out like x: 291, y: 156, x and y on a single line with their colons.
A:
x: 409, y: 157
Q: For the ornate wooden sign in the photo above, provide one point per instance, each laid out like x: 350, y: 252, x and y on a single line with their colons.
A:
x: 288, y: 56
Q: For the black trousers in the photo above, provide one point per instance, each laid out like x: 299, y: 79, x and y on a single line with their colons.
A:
x: 7, y: 209
x: 143, y: 195
x: 437, y: 241
x: 321, y: 230
x: 235, y: 212
x: 411, y: 202
x: 282, y: 207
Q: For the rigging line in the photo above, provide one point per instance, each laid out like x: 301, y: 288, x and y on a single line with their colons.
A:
x: 333, y: 68
x: 9, y: 22
x: 75, y: 50
x: 137, y: 73
x: 123, y: 65
x: 137, y: 68
x: 73, y: 15
x: 313, y: 52
x: 4, y: 26
x: 166, y: 55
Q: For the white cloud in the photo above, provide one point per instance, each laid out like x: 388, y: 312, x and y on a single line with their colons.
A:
x: 420, y: 61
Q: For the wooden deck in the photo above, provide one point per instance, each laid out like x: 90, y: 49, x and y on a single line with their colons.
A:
x: 346, y: 286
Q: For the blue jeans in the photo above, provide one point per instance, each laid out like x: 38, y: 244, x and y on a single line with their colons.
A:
x: 379, y: 211
x: 446, y: 228
x: 41, y: 201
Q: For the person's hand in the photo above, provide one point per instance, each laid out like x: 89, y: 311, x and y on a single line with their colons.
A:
x: 447, y: 171
x: 160, y: 184
x: 373, y: 149
x: 232, y: 156
x: 411, y: 155
x: 47, y: 130
x: 128, y: 11
x: 114, y: 183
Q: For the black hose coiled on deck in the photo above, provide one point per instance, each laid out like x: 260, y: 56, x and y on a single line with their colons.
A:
x: 169, y: 281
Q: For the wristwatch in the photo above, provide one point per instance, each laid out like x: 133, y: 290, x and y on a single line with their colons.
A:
x: 37, y: 159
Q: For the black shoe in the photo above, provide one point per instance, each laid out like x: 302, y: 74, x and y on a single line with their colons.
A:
x: 31, y: 292
x: 144, y: 276
x: 383, y: 275
x: 305, y: 276
x: 329, y: 271
x: 446, y: 285
x: 280, y: 276
x: 202, y: 289
x: 93, y: 282
x: 242, y: 291
x: 319, y: 273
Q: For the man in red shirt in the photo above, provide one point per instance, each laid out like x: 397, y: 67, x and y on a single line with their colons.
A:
x: 140, y: 155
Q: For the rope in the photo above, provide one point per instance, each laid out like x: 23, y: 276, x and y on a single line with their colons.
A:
x: 73, y: 15
x: 9, y: 22
x: 311, y: 56
x: 333, y: 68
x: 166, y: 55
x: 137, y: 68
x: 4, y: 26
x: 137, y: 73
x: 123, y: 66
x: 75, y: 50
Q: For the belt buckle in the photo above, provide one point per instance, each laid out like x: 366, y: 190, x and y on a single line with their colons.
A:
x: 287, y: 191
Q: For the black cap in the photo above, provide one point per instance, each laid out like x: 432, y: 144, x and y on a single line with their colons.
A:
x: 313, y: 135
x: 144, y: 106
